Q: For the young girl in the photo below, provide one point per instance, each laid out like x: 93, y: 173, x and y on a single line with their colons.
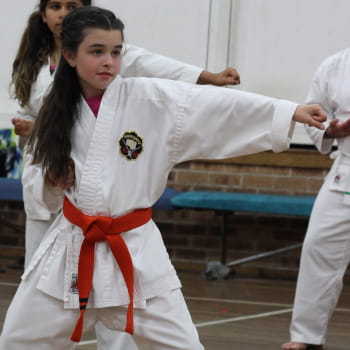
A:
x: 33, y: 72
x: 123, y: 136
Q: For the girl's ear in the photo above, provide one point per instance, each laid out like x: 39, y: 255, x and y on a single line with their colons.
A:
x: 69, y: 57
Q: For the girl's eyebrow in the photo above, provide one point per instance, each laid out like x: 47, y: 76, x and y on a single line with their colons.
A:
x: 70, y: 3
x: 120, y: 46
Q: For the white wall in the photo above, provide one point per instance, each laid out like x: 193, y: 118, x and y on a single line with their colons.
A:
x: 178, y: 28
x: 13, y: 17
x: 276, y: 45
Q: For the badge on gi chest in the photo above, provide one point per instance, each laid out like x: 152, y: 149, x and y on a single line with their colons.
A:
x: 131, y: 145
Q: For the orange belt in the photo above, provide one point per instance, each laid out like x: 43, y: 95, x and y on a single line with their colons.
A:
x: 101, y: 228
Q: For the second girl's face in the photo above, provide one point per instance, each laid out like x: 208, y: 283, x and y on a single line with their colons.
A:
x: 55, y: 11
x: 97, y: 60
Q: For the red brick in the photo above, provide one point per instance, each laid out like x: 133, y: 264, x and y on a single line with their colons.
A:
x: 203, y: 242
x: 291, y: 184
x: 314, y: 185
x: 256, y: 181
x: 190, y: 254
x: 176, y: 241
x: 225, y: 179
x: 192, y: 177
x: 273, y: 170
x: 207, y: 166
x: 317, y: 173
x: 240, y: 169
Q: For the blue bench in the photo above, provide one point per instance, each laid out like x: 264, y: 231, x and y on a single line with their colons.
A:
x: 227, y: 203
x: 10, y: 190
x: 164, y: 202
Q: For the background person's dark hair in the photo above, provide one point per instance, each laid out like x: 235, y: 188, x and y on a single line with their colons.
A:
x: 36, y: 46
x: 50, y: 141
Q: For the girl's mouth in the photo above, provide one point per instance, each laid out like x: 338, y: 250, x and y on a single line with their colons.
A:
x: 104, y: 74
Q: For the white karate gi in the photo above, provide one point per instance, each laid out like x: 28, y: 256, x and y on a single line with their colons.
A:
x: 176, y: 122
x: 135, y: 62
x: 326, y: 254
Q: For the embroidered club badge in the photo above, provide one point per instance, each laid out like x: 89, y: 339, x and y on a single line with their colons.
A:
x: 131, y: 145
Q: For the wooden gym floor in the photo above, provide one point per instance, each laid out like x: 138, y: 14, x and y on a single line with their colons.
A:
x: 244, y: 314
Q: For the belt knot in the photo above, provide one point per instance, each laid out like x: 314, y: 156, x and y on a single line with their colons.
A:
x: 98, y: 228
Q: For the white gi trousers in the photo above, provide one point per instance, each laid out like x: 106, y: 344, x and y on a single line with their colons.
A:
x: 110, y: 339
x: 39, y: 321
x: 324, y: 259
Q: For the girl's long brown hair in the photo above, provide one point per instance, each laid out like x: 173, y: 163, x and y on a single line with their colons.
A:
x: 50, y: 142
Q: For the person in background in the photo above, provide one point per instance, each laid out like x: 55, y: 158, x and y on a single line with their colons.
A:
x: 325, y: 255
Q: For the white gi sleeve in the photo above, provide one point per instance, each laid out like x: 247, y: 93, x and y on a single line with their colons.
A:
x: 138, y: 62
x: 318, y: 93
x: 24, y: 113
x: 40, y: 200
x: 218, y: 123
x: 38, y: 92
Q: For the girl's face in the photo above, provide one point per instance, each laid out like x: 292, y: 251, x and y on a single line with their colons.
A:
x: 55, y: 11
x: 97, y: 60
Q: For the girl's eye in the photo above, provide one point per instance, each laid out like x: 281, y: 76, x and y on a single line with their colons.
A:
x: 116, y: 53
x: 55, y: 6
x: 72, y: 7
x: 96, y: 52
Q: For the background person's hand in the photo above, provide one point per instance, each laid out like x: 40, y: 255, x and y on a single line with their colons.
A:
x: 337, y: 128
x: 229, y: 76
x: 22, y: 127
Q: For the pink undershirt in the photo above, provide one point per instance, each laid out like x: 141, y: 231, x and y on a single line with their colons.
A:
x: 94, y: 104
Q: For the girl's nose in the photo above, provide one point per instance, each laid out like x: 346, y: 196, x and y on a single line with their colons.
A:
x: 108, y: 60
x: 64, y: 11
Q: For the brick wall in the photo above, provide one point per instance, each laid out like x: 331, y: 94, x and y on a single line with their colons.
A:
x: 12, y: 219
x: 201, y: 175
